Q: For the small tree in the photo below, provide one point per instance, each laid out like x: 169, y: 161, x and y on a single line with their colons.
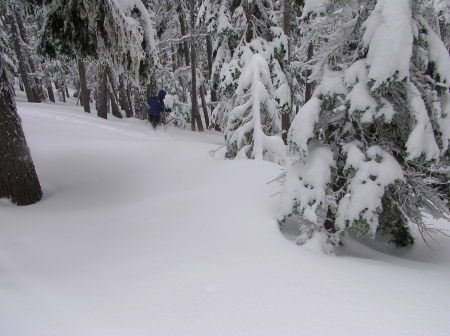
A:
x: 253, y: 125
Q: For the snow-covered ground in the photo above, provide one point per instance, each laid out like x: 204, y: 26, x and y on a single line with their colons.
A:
x: 143, y: 233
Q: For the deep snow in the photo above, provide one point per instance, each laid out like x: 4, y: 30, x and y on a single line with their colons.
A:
x: 143, y: 233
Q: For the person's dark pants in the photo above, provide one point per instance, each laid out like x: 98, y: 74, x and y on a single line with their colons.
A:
x: 154, y: 120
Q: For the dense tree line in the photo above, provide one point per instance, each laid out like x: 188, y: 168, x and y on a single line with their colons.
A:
x: 339, y: 91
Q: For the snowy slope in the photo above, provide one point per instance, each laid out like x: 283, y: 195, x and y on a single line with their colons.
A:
x: 142, y: 233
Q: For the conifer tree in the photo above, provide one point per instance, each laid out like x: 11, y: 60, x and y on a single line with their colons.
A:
x: 255, y: 24
x: 372, y: 142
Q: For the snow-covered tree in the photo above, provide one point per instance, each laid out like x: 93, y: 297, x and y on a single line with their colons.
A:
x: 372, y: 142
x: 120, y: 33
x: 215, y: 17
x: 244, y: 29
x: 252, y: 132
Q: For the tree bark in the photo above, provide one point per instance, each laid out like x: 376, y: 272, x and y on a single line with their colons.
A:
x: 309, y: 86
x: 195, y: 116
x: 84, y: 93
x: 36, y: 83
x: 183, y: 30
x: 209, y: 54
x: 102, y: 92
x: 18, y: 178
x: 51, y: 95
x: 23, y: 64
x: 204, y: 106
x: 62, y: 90
x: 173, y: 58
x: 285, y: 117
x: 123, y: 99
x: 115, y: 110
x: 130, y: 103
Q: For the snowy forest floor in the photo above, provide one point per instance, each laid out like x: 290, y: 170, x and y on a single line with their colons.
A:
x: 143, y: 233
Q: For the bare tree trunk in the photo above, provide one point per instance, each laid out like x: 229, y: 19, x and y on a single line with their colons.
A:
x: 212, y: 78
x: 115, y: 110
x: 209, y: 54
x: 23, y: 64
x: 63, y: 92
x: 195, y: 114
x: 183, y: 31
x: 130, y: 103
x: 309, y: 86
x: 102, y: 92
x: 123, y: 99
x: 67, y: 90
x: 285, y: 117
x: 36, y: 83
x: 18, y: 178
x: 112, y: 94
x: 84, y: 93
x: 204, y: 106
x: 173, y: 58
x: 140, y: 103
x: 51, y: 95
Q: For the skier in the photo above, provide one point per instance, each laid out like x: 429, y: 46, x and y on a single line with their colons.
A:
x: 155, y: 108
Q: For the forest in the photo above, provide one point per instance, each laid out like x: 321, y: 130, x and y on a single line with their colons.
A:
x: 322, y: 123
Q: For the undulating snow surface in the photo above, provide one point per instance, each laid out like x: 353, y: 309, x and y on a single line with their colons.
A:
x: 143, y: 233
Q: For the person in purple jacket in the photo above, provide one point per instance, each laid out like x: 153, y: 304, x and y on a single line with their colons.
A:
x: 155, y: 108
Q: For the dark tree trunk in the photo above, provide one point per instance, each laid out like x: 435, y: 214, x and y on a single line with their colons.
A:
x: 123, y: 99
x: 309, y: 86
x: 51, y: 95
x: 23, y: 64
x: 214, y: 86
x: 209, y: 54
x: 204, y: 106
x: 173, y: 58
x: 285, y: 117
x: 35, y: 82
x: 183, y: 30
x: 84, y: 93
x: 102, y: 92
x: 18, y: 178
x: 115, y: 110
x: 67, y: 90
x: 195, y: 117
x: 211, y: 77
x: 62, y: 90
x: 130, y: 104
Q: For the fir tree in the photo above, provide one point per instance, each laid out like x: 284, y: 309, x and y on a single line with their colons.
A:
x: 372, y: 142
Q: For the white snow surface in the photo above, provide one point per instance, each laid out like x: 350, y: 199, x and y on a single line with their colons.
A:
x: 142, y: 233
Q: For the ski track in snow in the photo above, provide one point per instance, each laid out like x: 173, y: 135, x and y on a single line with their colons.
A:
x: 142, y: 233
